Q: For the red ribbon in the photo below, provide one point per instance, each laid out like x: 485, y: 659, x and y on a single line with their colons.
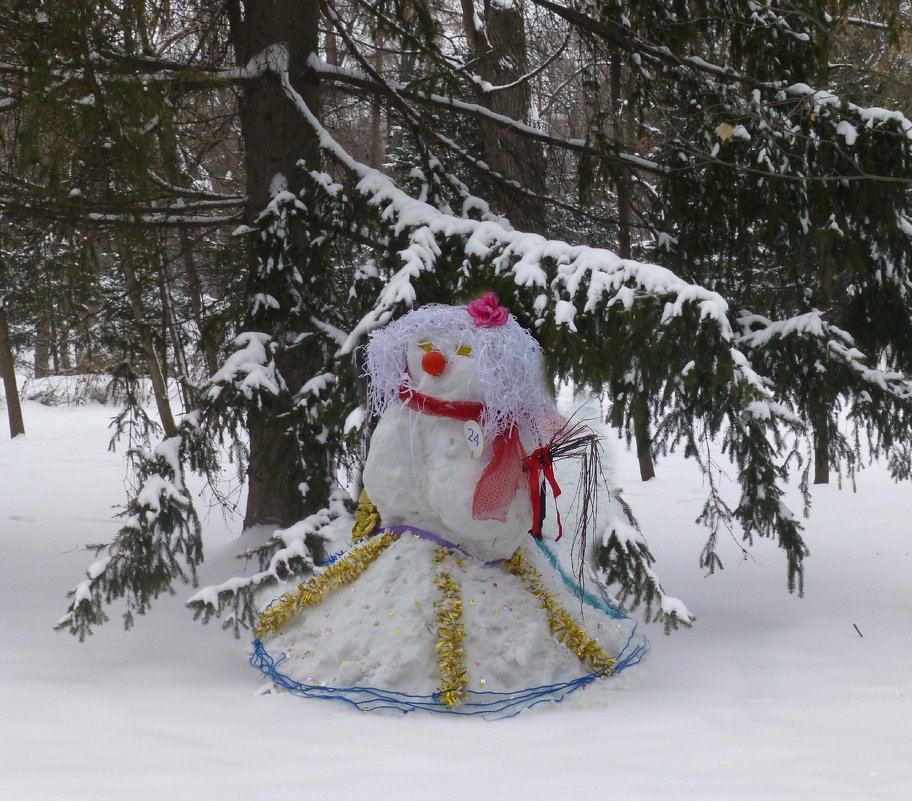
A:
x: 541, y: 462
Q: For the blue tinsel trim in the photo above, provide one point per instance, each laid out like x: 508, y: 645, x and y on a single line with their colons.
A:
x: 572, y: 584
x: 493, y: 705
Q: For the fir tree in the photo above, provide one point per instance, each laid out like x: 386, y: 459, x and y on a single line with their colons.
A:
x: 759, y: 210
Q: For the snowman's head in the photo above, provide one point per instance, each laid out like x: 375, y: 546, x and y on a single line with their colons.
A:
x: 459, y: 353
x: 444, y: 365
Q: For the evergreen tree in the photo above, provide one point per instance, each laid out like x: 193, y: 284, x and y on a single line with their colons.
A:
x: 717, y: 144
x: 804, y: 225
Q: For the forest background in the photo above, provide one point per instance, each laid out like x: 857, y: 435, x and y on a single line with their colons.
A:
x: 701, y: 209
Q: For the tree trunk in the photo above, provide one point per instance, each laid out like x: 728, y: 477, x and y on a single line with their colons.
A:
x: 65, y: 333
x: 168, y: 143
x: 276, y: 138
x: 643, y: 437
x: 821, y: 453
x: 616, y: 416
x: 54, y: 341
x: 622, y: 125
x: 43, y: 344
x: 195, y: 292
x: 170, y: 332
x: 821, y: 424
x: 8, y: 374
x: 500, y: 51
x: 406, y: 69
x: 376, y: 154
x: 84, y: 352
x: 159, y: 387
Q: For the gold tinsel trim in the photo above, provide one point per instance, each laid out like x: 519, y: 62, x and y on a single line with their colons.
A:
x: 454, y: 679
x: 562, y: 625
x: 367, y: 518
x: 338, y: 574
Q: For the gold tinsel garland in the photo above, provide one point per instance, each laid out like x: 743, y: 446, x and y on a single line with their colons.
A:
x: 367, y: 518
x: 450, y: 634
x: 338, y: 574
x: 562, y: 625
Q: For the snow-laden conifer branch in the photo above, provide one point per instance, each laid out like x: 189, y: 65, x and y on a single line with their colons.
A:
x: 599, y: 275
x: 294, y: 557
x: 146, y: 555
x: 622, y: 36
x: 250, y: 369
x: 159, y: 543
x: 262, y: 378
x: 760, y: 147
x: 869, y: 117
x: 623, y: 560
x: 761, y: 333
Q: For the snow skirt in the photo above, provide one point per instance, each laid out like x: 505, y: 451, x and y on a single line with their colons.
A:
x: 406, y: 621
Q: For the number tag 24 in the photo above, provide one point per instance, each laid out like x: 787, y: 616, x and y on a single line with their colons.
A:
x: 474, y: 437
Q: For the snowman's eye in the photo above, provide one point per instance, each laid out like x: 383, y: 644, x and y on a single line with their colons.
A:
x: 463, y: 350
x: 426, y: 346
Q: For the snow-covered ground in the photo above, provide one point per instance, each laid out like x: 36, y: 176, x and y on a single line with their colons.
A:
x: 769, y: 696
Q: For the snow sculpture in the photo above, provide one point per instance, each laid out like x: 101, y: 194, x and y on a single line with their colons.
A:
x: 455, y: 424
x: 445, y: 602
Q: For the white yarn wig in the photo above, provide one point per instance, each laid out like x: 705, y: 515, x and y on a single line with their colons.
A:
x: 508, y: 362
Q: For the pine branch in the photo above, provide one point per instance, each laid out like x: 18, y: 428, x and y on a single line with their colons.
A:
x: 290, y: 553
x: 160, y: 543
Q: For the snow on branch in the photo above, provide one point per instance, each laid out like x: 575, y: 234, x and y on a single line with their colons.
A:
x: 867, y: 23
x: 250, y: 369
x: 295, y: 547
x: 623, y: 547
x: 160, y: 541
x: 111, y: 72
x: 760, y: 332
x: 295, y: 557
x: 602, y: 275
x: 872, y: 116
x: 489, y: 88
x: 477, y: 110
x: 163, y: 219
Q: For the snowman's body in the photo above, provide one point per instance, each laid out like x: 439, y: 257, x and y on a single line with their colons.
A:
x: 421, y: 470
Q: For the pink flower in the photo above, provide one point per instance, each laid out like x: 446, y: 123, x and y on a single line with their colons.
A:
x: 487, y: 311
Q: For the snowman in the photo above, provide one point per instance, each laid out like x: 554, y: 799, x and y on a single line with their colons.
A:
x: 449, y: 599
x: 459, y: 392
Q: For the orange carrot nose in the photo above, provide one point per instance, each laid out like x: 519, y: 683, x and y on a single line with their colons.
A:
x: 434, y: 363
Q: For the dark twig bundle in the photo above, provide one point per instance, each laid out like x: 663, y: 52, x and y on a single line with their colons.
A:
x: 576, y: 440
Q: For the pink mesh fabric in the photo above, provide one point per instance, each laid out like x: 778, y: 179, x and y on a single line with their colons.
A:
x: 501, y: 480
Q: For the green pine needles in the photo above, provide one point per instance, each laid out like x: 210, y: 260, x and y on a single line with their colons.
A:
x: 721, y: 250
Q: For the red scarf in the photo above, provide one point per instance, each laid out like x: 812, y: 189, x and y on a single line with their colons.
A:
x: 509, y: 469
